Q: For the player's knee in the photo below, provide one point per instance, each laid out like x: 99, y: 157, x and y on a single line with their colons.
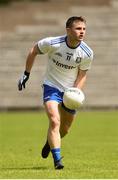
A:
x: 55, y: 122
x: 64, y: 131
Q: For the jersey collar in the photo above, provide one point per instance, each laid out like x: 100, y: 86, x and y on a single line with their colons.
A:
x: 69, y: 46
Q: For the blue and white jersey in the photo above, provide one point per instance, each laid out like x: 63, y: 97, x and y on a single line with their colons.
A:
x: 64, y: 61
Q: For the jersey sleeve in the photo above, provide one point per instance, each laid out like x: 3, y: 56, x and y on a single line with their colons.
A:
x: 44, y: 45
x: 86, y: 63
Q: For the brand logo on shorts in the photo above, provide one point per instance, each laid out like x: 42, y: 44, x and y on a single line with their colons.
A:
x: 47, y: 97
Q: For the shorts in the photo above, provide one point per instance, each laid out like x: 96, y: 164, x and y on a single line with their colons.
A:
x: 52, y: 93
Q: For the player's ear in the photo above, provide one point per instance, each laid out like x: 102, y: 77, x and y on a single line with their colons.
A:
x: 68, y: 30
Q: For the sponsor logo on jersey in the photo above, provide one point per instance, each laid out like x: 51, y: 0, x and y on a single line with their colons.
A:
x: 63, y: 65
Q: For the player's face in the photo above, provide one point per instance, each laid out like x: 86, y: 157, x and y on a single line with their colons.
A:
x: 77, y: 31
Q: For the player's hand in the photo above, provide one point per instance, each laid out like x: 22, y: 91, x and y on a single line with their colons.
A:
x: 23, y: 80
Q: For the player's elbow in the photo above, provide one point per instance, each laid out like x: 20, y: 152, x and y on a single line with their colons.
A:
x: 34, y: 51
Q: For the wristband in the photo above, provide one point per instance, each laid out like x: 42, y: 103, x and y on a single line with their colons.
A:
x: 26, y: 73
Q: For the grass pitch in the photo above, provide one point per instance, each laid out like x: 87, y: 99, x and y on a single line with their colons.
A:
x: 90, y: 150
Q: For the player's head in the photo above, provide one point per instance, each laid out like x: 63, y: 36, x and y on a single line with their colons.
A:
x: 76, y: 27
x: 71, y: 20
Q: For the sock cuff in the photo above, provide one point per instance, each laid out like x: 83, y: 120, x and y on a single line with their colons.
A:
x: 55, y: 150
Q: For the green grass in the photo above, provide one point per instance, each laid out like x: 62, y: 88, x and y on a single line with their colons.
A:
x: 90, y: 150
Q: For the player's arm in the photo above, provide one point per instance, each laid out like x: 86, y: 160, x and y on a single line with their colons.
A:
x: 31, y: 57
x: 29, y: 63
x: 84, y: 66
x: 81, y: 79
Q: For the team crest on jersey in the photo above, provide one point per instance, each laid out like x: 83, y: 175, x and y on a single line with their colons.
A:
x: 78, y: 60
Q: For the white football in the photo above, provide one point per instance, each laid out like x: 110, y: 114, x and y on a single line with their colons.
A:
x: 73, y: 98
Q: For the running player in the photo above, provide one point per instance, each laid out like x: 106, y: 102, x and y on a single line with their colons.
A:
x: 69, y: 59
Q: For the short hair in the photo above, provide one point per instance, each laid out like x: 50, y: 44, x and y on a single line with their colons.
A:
x: 70, y: 21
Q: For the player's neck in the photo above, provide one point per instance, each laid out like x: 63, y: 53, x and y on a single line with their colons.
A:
x: 72, y: 43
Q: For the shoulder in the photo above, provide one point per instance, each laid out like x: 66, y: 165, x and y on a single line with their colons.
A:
x: 87, y: 50
x: 52, y: 40
x: 57, y: 40
x: 49, y: 44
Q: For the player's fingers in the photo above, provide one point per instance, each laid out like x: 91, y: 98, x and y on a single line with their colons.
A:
x: 24, y: 85
x: 19, y: 86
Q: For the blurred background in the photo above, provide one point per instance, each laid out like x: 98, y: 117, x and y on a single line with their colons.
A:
x: 23, y: 23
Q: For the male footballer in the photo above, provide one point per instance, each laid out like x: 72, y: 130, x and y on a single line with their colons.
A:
x: 69, y: 59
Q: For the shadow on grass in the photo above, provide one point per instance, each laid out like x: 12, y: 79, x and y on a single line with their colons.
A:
x: 25, y: 168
